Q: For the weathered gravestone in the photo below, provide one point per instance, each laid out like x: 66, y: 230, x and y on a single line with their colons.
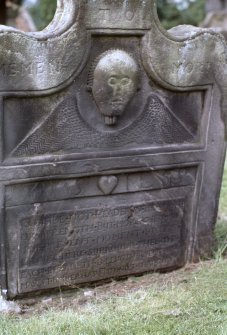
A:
x: 216, y: 17
x: 112, y: 145
x: 214, y: 5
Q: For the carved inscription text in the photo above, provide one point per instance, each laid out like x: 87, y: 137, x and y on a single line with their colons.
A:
x: 96, y: 243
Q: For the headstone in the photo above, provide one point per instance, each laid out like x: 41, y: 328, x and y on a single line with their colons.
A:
x: 216, y: 16
x: 112, y: 145
x: 214, y: 5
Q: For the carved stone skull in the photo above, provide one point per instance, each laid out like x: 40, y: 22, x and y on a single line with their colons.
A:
x: 115, y: 83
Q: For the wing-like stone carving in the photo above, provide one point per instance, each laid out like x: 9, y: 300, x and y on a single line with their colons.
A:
x: 193, y: 57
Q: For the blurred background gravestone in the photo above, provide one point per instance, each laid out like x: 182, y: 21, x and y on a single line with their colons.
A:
x: 13, y: 13
x: 214, y: 5
x: 216, y: 16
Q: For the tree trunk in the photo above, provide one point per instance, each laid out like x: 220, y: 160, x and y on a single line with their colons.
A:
x: 2, y: 11
x: 225, y: 4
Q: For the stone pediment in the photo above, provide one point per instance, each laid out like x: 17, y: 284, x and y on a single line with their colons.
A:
x: 49, y: 60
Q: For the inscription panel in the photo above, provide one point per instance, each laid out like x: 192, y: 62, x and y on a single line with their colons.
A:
x: 108, y: 14
x: 97, y: 240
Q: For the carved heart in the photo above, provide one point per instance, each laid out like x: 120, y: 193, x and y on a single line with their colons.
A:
x: 108, y: 184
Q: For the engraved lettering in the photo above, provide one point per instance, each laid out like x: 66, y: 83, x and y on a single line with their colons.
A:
x: 104, y: 14
x: 4, y: 69
x: 40, y: 68
x: 95, y: 243
x: 176, y: 65
x: 110, y: 14
x: 13, y: 69
x: 129, y: 15
x: 27, y: 69
x: 34, y: 68
x: 189, y: 67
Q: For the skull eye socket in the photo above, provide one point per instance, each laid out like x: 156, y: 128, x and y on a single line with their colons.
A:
x: 125, y: 81
x: 112, y: 81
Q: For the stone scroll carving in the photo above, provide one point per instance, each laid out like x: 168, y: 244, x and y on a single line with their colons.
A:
x: 196, y: 57
x: 185, y: 44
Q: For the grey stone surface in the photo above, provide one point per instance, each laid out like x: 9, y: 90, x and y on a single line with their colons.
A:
x: 214, y: 5
x: 112, y: 145
x: 217, y: 19
x: 9, y: 307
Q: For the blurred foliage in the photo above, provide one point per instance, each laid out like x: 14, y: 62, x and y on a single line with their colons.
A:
x: 169, y: 12
x: 43, y: 12
x: 172, y: 15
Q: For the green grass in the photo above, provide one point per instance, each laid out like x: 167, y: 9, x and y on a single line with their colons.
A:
x: 195, y: 305
x: 221, y: 227
x: 223, y: 197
